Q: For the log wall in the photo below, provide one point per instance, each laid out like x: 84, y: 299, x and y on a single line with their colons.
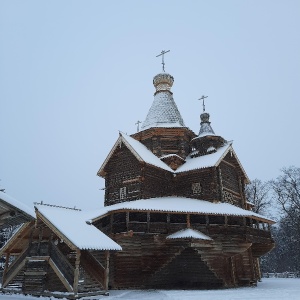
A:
x: 123, y: 170
x: 152, y: 261
x: 164, y: 141
x: 207, y: 179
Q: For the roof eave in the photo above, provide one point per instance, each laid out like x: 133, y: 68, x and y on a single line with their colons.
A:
x: 11, y: 241
x: 121, y: 139
x: 56, y: 230
x: 259, y: 218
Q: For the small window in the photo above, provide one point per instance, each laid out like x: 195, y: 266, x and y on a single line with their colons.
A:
x: 157, y: 217
x: 123, y: 193
x: 177, y: 218
x: 137, y: 217
x: 196, y: 188
x: 228, y: 197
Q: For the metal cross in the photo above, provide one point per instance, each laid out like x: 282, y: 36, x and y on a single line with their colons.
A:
x: 202, y: 98
x: 163, y: 52
x: 138, y: 125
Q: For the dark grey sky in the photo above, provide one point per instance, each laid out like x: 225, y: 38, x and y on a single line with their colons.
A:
x: 73, y: 73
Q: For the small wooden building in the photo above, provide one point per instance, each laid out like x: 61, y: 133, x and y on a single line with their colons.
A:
x: 175, y: 201
x: 57, y: 253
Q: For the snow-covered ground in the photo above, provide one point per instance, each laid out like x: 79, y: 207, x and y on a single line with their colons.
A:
x: 268, y: 289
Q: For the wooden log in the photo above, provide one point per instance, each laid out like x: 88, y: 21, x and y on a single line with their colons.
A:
x: 76, y: 272
x: 106, y: 277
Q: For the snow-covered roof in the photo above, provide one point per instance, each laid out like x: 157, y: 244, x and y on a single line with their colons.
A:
x: 211, y: 148
x: 205, y: 129
x: 141, y: 152
x: 71, y: 224
x: 189, y: 233
x: 179, y: 205
x: 15, y: 235
x: 204, y: 161
x: 163, y: 112
x: 15, y: 204
x: 171, y: 155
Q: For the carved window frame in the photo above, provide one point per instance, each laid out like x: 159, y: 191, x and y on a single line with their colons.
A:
x: 228, y: 197
x: 196, y: 188
x: 123, y: 193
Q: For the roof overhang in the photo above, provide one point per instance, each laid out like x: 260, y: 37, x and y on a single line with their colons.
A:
x: 126, y: 141
x: 13, y: 212
x: 180, y: 205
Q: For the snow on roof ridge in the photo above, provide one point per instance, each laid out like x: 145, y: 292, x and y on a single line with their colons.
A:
x: 170, y: 155
x: 204, y: 161
x: 54, y: 205
x: 144, y: 153
x: 189, y: 233
x: 204, y: 134
x: 140, y: 151
x: 211, y: 148
x: 165, y: 125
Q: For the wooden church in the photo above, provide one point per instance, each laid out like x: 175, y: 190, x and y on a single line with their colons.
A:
x: 175, y: 216
x: 175, y: 202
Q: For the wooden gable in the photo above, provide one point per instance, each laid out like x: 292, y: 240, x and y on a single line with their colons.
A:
x: 13, y: 212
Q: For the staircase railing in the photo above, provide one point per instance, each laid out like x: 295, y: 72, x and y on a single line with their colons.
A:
x: 62, y: 263
x: 15, y: 267
x: 93, y: 267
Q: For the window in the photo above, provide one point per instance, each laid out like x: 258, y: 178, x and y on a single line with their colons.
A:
x: 123, y: 193
x: 196, y: 188
x: 228, y: 197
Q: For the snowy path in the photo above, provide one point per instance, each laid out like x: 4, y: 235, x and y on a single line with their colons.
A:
x: 269, y: 289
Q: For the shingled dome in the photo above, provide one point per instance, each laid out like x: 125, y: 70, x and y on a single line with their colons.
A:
x: 164, y: 111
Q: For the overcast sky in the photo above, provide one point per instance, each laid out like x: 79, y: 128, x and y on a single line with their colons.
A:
x: 73, y: 73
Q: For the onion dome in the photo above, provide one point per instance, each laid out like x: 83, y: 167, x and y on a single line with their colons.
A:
x: 163, y: 82
x: 207, y: 141
x: 164, y: 111
x: 205, y: 128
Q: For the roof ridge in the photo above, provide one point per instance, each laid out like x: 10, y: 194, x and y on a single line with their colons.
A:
x: 57, y: 206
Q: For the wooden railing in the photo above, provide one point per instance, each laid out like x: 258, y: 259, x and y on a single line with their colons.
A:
x: 15, y: 267
x: 62, y: 263
x: 93, y: 267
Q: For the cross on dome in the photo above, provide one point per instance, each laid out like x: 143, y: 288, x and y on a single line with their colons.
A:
x: 203, y: 104
x: 163, y: 52
x: 138, y: 125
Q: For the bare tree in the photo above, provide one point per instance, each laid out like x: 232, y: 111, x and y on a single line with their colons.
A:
x: 257, y: 192
x: 286, y: 192
x: 286, y: 189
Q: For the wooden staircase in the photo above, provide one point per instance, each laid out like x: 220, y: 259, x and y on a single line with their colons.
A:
x: 185, y: 270
x: 92, y: 274
x: 35, y: 275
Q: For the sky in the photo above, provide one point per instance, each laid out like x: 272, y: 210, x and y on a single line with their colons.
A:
x: 74, y: 73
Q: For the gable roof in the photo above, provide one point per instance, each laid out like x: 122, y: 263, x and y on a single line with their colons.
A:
x: 16, y: 239
x: 204, y: 161
x: 179, y: 205
x: 189, y: 233
x: 13, y: 212
x: 141, y: 152
x: 70, y: 225
x: 210, y: 160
